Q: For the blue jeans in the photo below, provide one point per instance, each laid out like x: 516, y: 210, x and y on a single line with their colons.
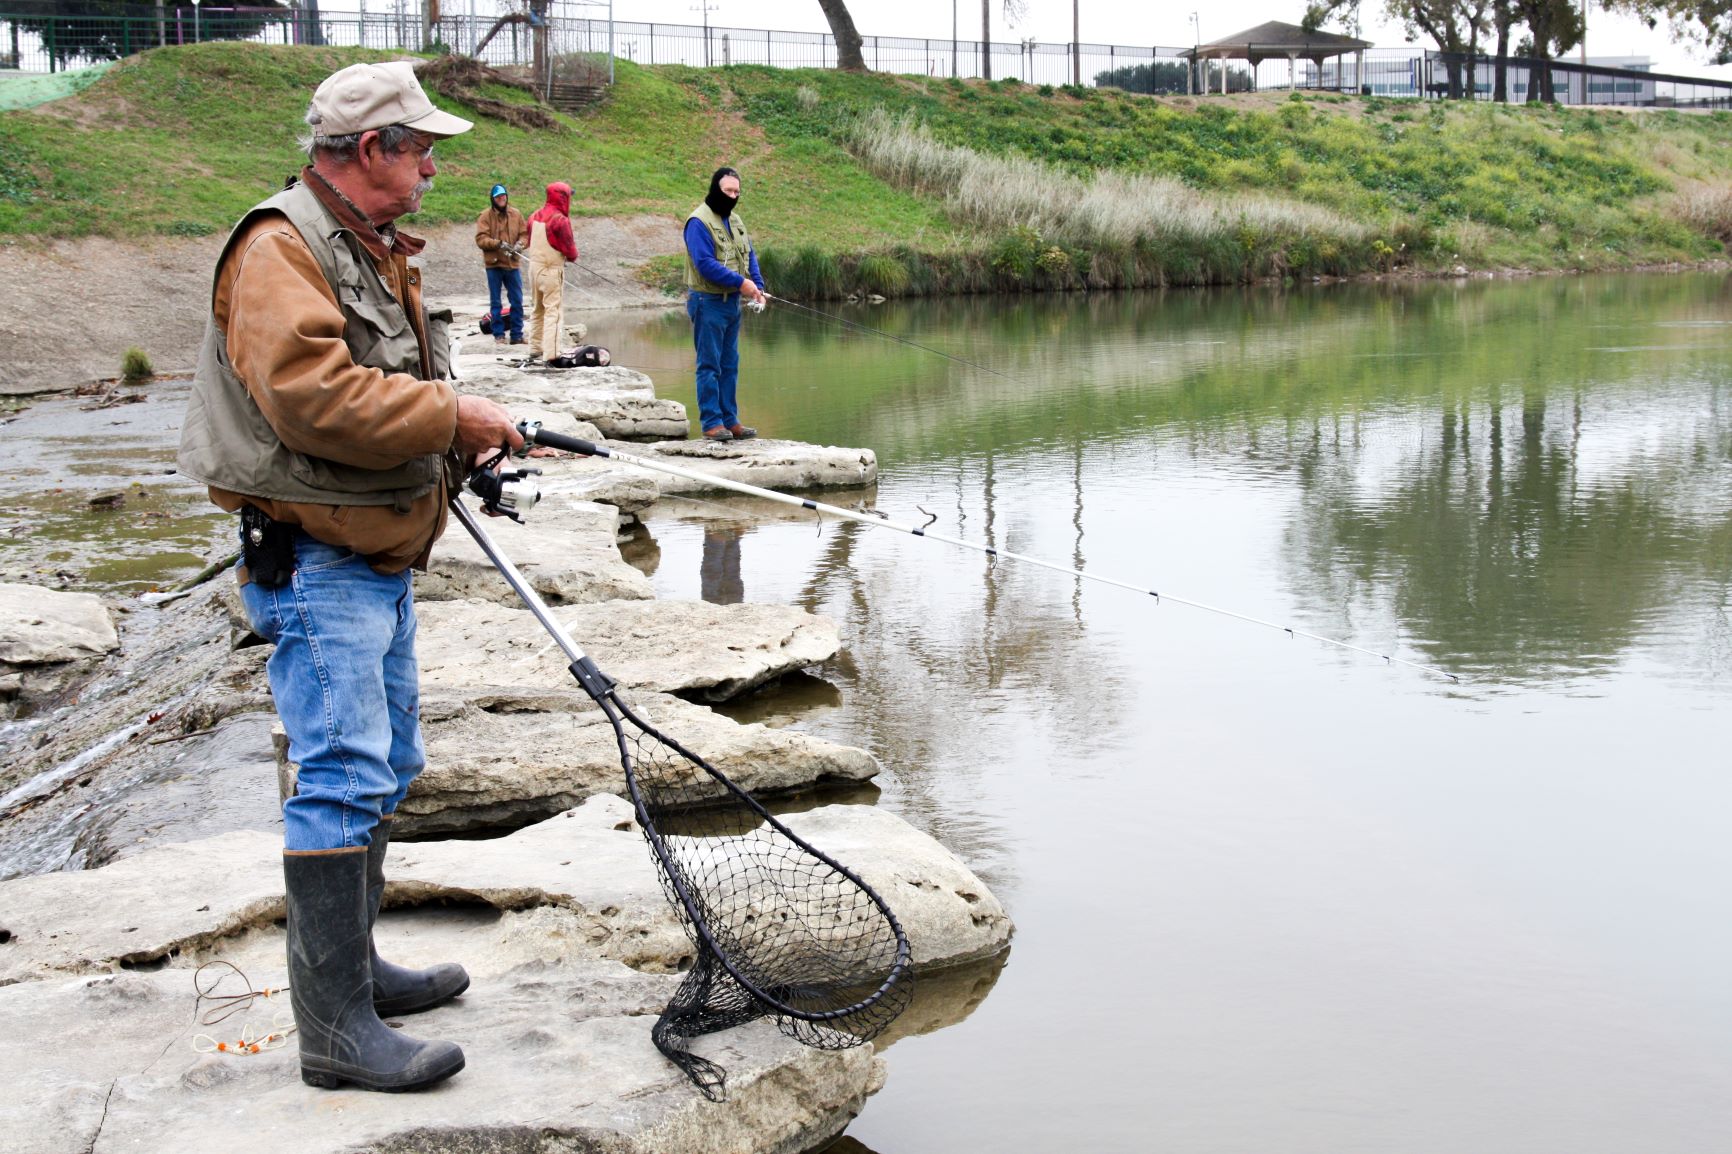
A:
x: 347, y: 689
x: 512, y: 281
x: 716, y: 336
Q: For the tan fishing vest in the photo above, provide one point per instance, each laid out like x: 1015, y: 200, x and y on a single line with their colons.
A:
x: 226, y: 441
x: 733, y: 249
x: 542, y: 254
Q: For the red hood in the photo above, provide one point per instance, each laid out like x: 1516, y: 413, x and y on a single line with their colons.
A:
x: 559, y: 197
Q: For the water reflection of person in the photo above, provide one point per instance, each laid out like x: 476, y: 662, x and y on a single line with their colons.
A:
x: 719, y: 574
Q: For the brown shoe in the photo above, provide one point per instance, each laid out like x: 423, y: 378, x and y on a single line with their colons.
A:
x: 498, y: 340
x: 742, y: 432
x: 718, y: 434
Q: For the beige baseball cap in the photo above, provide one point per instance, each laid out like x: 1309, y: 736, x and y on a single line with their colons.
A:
x: 363, y: 97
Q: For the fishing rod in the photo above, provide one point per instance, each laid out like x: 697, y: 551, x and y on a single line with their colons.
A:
x: 534, y: 434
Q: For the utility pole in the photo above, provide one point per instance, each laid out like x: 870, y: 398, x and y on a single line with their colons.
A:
x: 953, y: 39
x: 1076, y: 42
x: 706, y: 8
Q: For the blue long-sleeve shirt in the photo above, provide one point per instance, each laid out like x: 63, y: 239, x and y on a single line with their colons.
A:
x: 702, y: 249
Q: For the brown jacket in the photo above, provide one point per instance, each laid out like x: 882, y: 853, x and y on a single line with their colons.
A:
x: 493, y: 229
x: 285, y: 335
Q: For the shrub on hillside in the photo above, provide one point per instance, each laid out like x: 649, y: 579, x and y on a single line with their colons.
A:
x: 1708, y: 211
x: 135, y: 365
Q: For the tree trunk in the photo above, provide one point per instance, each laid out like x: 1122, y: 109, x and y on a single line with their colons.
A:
x: 1500, y: 74
x: 538, y: 43
x: 848, y: 57
x: 315, y: 31
x: 986, y: 39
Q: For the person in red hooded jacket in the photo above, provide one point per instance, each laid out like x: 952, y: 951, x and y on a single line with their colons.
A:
x: 550, y: 246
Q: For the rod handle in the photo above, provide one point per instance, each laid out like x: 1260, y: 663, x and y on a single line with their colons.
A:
x: 534, y: 434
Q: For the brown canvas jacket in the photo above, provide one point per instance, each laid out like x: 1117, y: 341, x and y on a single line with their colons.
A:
x: 494, y: 228
x: 285, y: 341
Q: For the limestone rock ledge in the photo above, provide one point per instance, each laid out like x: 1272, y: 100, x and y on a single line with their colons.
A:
x: 712, y: 652
x: 573, y: 951
x: 501, y: 761
x: 619, y: 402
x: 569, y: 554
x: 557, y: 1059
x: 585, y: 877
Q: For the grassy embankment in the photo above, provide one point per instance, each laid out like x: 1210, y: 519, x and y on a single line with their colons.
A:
x: 913, y: 185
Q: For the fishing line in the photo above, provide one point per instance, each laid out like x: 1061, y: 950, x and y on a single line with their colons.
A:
x: 534, y: 434
x: 841, y: 320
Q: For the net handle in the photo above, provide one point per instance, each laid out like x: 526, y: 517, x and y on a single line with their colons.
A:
x: 601, y: 689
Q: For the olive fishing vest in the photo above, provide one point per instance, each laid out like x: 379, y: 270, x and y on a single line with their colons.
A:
x: 226, y: 442
x: 734, y: 250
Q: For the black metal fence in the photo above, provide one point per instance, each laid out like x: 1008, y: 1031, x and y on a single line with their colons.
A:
x: 36, y: 40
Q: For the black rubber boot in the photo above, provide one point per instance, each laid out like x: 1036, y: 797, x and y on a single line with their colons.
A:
x: 331, y: 984
x: 398, y: 989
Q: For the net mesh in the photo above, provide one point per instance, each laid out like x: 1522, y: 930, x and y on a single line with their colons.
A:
x: 779, y: 929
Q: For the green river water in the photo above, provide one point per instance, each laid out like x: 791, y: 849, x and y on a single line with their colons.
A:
x: 1270, y: 896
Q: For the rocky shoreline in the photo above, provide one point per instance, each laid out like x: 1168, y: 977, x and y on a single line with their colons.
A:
x: 139, y: 802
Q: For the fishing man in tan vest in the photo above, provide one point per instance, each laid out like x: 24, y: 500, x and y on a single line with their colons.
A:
x: 322, y: 412
x: 550, y: 246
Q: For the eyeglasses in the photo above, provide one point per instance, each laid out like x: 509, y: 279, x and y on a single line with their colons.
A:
x: 419, y: 146
x: 423, y: 146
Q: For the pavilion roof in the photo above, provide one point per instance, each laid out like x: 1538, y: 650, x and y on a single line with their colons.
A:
x: 1274, y: 40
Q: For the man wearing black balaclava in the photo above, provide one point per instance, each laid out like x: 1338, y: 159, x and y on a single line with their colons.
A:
x: 721, y: 268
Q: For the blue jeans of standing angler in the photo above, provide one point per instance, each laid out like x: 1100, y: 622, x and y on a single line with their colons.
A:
x: 347, y: 689
x: 716, y: 337
x: 512, y: 281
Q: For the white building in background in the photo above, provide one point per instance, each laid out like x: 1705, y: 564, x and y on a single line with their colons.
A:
x: 1417, y: 76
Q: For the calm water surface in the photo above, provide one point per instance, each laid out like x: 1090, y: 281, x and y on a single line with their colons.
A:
x: 1270, y: 896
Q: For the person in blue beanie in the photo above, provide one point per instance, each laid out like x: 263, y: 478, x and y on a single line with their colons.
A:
x: 501, y: 235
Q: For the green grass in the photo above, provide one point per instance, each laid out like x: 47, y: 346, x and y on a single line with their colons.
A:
x: 180, y: 141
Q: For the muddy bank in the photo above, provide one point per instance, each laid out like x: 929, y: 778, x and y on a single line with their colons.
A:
x: 70, y: 309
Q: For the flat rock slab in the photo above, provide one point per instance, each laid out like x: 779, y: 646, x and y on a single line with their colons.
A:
x: 568, y: 552
x: 765, y: 462
x: 620, y: 402
x: 45, y: 626
x: 509, y: 761
x: 949, y: 915
x: 140, y: 909
x: 558, y: 1058
x: 712, y: 652
x: 588, y: 866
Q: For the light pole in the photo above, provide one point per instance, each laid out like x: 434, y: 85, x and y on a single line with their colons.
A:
x: 197, y: 31
x: 1191, y: 76
x: 953, y: 39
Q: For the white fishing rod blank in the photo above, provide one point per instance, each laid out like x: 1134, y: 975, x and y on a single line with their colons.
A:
x: 534, y: 434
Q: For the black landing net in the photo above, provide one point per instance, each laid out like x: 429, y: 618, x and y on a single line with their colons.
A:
x: 780, y: 930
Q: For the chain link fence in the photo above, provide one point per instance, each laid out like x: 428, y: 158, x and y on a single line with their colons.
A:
x: 581, y: 49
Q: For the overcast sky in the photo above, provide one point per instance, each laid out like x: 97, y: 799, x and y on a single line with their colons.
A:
x: 1166, y: 23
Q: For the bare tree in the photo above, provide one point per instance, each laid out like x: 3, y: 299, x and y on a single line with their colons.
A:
x: 848, y: 57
